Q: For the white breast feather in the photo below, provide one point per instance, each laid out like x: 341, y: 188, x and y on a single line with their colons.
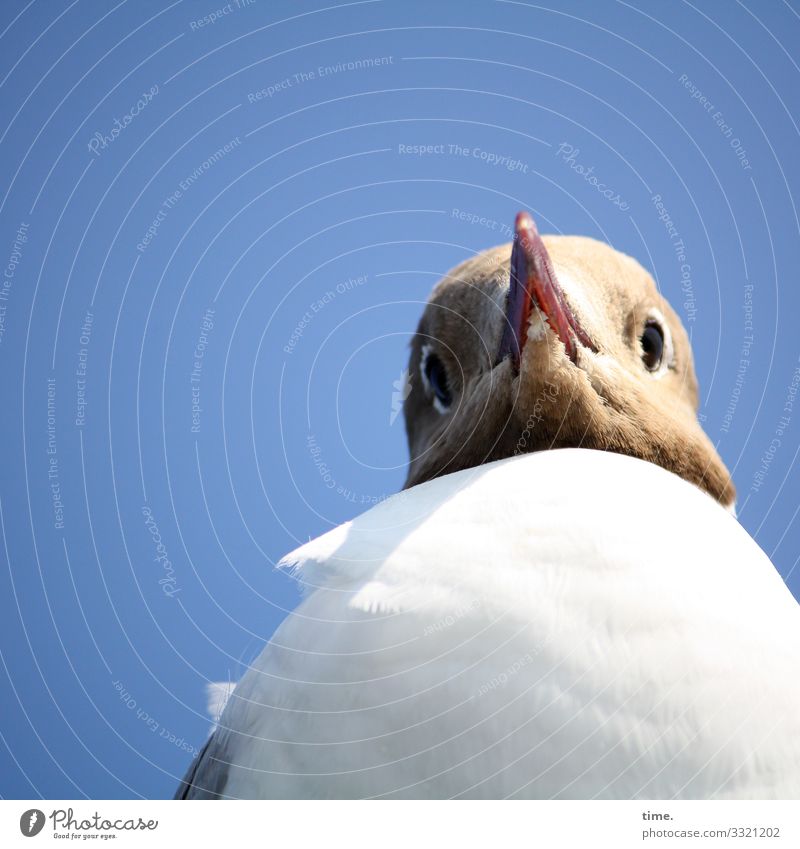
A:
x: 564, y: 624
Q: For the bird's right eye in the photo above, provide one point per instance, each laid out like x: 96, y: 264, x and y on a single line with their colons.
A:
x: 434, y: 376
x: 652, y: 341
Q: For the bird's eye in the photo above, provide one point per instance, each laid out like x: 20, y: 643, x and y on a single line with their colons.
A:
x: 434, y: 375
x: 652, y: 341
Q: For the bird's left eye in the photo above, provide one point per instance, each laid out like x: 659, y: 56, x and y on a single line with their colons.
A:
x: 652, y: 340
x: 434, y: 376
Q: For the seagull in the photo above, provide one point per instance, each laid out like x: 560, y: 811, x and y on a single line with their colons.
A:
x: 560, y: 603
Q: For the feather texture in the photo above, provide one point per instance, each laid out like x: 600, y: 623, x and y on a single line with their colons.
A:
x: 564, y: 624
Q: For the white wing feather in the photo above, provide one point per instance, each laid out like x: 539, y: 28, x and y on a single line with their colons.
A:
x: 563, y: 624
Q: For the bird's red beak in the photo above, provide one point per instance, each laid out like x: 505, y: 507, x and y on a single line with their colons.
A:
x: 533, y: 282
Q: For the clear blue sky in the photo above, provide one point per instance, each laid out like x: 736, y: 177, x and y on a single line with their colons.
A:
x: 260, y: 199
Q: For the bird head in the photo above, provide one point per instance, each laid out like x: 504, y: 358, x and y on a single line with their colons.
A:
x: 554, y: 342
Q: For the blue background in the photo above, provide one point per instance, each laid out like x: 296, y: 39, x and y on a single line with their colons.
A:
x: 104, y: 668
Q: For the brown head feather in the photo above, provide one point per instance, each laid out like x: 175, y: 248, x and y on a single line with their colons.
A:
x: 606, y: 400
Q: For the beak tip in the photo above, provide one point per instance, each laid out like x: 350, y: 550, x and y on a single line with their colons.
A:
x: 523, y: 222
